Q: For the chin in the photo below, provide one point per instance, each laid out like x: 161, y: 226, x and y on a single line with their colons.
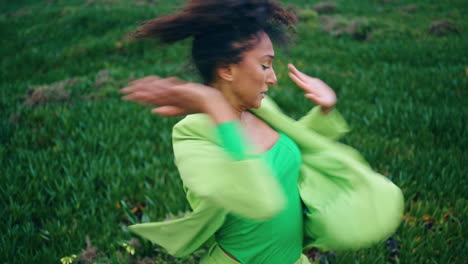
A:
x: 257, y: 104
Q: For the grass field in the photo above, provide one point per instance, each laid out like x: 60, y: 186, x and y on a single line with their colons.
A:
x: 79, y: 164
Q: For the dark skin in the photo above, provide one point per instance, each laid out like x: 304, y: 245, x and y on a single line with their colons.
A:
x: 237, y: 89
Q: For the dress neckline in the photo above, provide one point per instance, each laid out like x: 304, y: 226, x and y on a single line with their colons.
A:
x: 274, y: 145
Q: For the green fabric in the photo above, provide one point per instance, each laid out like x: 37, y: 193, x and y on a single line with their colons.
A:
x: 215, y: 255
x: 279, y: 239
x: 210, y: 173
x: 350, y: 206
x: 232, y: 139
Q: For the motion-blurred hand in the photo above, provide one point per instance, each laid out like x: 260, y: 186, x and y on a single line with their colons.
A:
x: 316, y: 90
x: 174, y: 97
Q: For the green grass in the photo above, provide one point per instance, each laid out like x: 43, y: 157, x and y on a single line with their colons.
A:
x: 82, y: 167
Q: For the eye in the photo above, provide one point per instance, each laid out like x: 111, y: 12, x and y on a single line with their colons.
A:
x: 265, y: 67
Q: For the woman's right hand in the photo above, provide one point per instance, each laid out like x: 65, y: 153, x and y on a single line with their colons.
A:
x: 175, y: 97
x: 172, y: 96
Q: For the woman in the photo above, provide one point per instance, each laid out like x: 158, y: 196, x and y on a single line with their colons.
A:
x: 235, y: 152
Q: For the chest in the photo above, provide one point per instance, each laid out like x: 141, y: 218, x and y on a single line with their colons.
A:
x: 259, y: 133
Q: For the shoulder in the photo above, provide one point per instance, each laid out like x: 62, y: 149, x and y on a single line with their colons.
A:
x: 193, y: 126
x: 201, y: 126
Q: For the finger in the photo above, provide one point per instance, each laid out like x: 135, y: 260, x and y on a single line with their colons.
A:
x: 146, y: 79
x: 152, y: 82
x: 160, y: 84
x: 169, y: 110
x: 298, y: 73
x: 140, y: 87
x: 312, y: 96
x: 299, y: 82
x: 133, y: 84
x: 149, y: 84
x: 140, y: 97
x: 174, y: 81
x: 127, y: 90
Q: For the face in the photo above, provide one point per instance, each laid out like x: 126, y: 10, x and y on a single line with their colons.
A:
x: 252, y: 76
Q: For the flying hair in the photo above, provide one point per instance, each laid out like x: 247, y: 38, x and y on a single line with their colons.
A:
x: 221, y: 29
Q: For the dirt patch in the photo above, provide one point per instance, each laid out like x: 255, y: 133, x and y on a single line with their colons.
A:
x: 101, y: 78
x: 91, y: 254
x: 104, y: 86
x: 325, y: 8
x: 442, y: 27
x: 135, y: 243
x: 358, y: 28
x: 55, y: 92
x: 333, y: 26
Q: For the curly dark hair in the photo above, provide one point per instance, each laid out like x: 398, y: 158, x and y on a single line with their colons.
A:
x: 221, y: 29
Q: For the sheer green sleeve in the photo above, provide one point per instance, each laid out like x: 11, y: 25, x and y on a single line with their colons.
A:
x: 331, y: 125
x: 214, y: 163
x: 232, y: 139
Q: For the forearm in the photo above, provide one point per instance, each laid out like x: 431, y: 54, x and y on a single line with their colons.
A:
x: 215, y: 105
x: 220, y: 111
x: 331, y: 124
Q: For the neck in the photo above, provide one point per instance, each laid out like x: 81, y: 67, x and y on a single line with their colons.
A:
x: 240, y: 111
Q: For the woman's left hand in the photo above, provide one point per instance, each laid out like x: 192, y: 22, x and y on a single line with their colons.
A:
x: 316, y: 90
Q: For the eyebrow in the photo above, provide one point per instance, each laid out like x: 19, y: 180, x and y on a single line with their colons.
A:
x: 270, y: 56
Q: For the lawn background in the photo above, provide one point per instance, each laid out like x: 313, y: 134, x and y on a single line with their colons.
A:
x: 79, y: 162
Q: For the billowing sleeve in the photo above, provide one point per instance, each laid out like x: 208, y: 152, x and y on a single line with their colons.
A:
x: 223, y: 171
x: 331, y: 125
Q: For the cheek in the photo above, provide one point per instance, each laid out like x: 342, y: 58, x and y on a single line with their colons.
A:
x: 258, y: 74
x: 257, y: 78
x: 252, y: 75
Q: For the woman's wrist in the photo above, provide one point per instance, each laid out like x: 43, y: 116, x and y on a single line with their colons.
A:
x: 326, y: 109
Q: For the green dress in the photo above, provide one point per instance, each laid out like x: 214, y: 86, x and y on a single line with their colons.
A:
x: 334, y: 183
x: 278, y: 239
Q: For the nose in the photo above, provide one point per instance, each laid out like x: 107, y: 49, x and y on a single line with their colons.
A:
x: 271, y: 78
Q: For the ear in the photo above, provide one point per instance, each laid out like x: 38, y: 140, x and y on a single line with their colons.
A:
x: 226, y: 73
